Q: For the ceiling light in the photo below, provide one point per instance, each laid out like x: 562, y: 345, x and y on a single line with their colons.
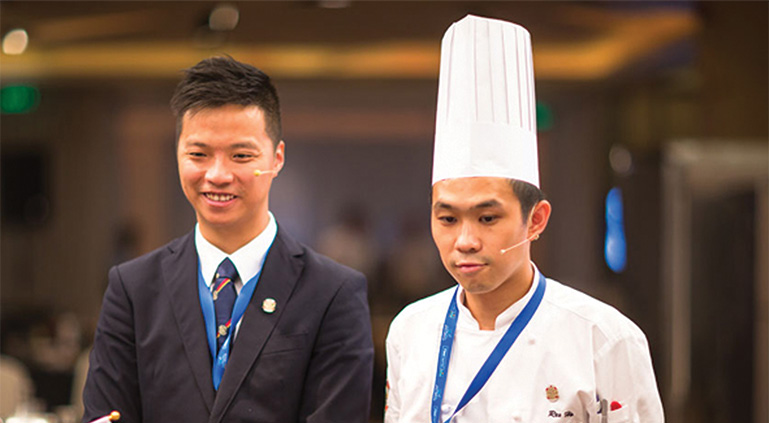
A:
x: 223, y: 18
x: 15, y: 41
x: 334, y: 4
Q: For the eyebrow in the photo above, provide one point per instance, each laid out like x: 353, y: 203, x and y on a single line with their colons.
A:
x: 482, y: 205
x: 237, y: 145
x: 245, y: 145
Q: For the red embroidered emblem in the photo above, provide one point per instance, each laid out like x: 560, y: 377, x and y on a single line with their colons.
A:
x: 552, y: 393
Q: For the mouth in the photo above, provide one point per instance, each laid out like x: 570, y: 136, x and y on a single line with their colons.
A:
x: 469, y: 267
x: 219, y: 197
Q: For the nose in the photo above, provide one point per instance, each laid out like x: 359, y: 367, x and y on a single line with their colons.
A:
x: 219, y: 172
x: 467, y: 240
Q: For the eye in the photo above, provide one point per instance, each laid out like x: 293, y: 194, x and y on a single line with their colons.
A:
x: 488, y: 218
x: 244, y: 156
x: 447, y: 219
x: 196, y: 154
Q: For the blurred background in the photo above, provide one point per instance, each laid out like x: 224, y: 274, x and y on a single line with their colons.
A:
x: 653, y: 135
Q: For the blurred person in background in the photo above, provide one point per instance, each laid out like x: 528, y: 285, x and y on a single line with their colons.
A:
x: 413, y: 268
x: 235, y: 321
x: 350, y: 241
x: 16, y: 384
x: 507, y: 344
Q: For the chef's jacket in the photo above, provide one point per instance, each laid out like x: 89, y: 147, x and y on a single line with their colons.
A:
x: 578, y: 360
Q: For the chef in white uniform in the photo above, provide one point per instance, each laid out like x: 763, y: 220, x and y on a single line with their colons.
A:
x: 506, y: 344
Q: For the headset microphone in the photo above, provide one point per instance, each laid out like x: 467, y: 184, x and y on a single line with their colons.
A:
x: 258, y: 172
x: 531, y: 238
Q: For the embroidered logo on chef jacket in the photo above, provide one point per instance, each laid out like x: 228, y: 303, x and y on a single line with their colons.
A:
x: 555, y: 414
x: 552, y: 393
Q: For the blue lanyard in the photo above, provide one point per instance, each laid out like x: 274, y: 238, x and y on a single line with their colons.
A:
x: 207, y: 304
x: 504, y: 344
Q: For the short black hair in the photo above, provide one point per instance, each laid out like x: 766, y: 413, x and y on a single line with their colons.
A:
x: 528, y: 195
x: 220, y: 81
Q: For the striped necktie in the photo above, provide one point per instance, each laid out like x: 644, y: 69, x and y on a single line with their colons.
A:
x: 224, y: 298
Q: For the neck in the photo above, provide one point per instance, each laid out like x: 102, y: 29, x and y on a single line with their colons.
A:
x: 231, y: 239
x: 487, y: 306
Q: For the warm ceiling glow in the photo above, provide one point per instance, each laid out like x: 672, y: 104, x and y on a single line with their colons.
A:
x: 84, y: 27
x: 628, y: 39
x: 625, y: 40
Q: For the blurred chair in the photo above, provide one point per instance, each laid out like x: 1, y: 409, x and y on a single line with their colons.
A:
x: 15, y: 385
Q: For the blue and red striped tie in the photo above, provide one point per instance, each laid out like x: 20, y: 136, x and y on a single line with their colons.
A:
x: 224, y: 299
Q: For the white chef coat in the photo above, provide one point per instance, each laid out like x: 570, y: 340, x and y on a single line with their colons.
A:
x: 575, y: 347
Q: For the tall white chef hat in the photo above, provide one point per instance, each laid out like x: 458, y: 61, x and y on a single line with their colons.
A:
x: 486, y: 117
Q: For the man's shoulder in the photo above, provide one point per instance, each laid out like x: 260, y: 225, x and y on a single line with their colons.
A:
x: 318, y: 267
x: 590, y: 311
x: 153, y: 258
x: 318, y: 262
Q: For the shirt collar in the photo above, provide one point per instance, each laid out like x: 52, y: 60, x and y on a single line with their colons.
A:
x: 505, y: 318
x: 248, y: 260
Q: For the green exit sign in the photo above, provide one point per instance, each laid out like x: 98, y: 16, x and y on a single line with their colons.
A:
x: 545, y: 118
x: 17, y: 99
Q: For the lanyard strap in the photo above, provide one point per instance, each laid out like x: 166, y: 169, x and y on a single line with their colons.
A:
x: 207, y: 305
x: 483, y: 375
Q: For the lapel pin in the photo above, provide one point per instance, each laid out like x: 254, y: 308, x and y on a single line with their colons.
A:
x: 223, y: 330
x: 269, y: 305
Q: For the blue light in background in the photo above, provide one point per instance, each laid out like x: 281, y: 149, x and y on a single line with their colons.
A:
x: 615, y: 247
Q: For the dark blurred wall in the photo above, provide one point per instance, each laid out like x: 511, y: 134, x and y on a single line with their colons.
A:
x: 58, y: 262
x: 734, y: 69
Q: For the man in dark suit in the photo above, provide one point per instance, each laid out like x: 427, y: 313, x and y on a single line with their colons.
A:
x: 235, y: 321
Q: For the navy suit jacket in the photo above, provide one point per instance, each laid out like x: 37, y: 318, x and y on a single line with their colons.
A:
x: 309, y: 361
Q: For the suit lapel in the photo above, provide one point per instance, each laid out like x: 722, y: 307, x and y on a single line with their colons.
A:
x: 278, y: 278
x: 180, y: 275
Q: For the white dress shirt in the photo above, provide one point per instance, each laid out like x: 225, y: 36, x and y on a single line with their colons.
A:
x: 248, y: 260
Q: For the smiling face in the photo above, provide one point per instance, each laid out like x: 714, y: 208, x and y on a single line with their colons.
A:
x: 473, y: 219
x: 219, y: 150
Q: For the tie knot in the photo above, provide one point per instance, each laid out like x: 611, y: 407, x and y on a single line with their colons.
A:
x: 226, y: 270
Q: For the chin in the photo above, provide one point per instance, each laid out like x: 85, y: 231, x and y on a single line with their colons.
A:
x: 476, y: 288
x: 218, y: 222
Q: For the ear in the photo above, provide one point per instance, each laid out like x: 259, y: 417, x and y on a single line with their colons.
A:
x: 538, y: 218
x: 280, y: 157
